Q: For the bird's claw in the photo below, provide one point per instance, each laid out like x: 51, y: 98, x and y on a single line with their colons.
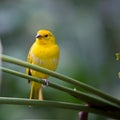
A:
x: 46, y: 82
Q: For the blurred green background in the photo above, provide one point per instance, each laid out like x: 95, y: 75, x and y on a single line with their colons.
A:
x: 88, y: 33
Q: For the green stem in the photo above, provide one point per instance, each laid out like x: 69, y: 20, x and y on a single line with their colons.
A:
x: 79, y: 95
x: 58, y: 104
x: 84, y: 86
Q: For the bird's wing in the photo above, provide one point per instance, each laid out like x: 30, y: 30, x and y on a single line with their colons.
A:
x: 29, y: 59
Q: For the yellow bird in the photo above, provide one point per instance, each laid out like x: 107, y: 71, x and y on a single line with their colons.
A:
x: 45, y: 53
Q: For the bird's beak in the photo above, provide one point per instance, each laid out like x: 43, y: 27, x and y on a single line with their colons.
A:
x: 38, y: 36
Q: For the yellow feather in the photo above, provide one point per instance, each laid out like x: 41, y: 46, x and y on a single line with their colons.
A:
x: 45, y: 53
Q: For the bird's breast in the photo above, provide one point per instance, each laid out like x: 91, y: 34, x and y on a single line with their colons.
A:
x: 49, y: 62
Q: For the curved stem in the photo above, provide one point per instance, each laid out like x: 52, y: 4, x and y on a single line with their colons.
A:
x: 79, y: 95
x: 58, y: 104
x: 84, y: 86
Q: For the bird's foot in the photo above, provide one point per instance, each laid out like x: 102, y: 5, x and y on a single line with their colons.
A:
x: 46, y: 82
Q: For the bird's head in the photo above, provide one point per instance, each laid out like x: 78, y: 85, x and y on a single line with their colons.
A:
x: 45, y: 37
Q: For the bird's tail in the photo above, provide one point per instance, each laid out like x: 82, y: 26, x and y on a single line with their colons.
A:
x: 36, y: 91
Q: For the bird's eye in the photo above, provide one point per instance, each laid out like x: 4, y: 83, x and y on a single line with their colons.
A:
x: 46, y: 36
